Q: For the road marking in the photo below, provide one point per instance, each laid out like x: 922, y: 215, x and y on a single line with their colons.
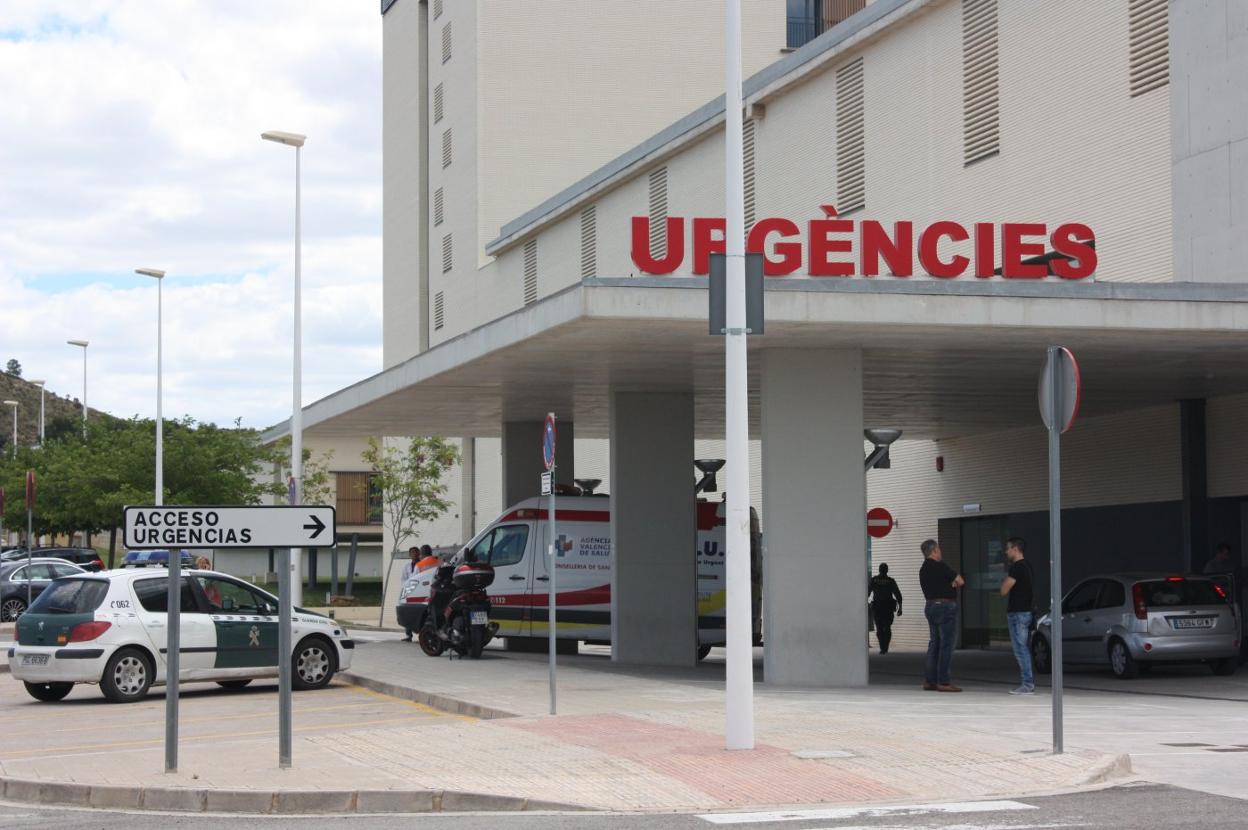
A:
x: 840, y: 813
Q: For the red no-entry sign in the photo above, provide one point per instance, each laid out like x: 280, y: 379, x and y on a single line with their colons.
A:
x: 879, y: 522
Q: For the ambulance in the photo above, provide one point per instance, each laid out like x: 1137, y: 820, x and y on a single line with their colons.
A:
x: 516, y: 545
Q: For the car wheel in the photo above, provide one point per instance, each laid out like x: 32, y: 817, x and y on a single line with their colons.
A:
x: 1121, y: 663
x: 312, y: 664
x: 127, y: 676
x: 233, y: 684
x: 12, y: 609
x: 1041, y: 657
x: 1225, y: 667
x: 49, y: 692
x: 703, y: 651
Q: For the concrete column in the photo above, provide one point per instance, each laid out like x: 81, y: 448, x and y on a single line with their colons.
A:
x: 522, y: 458
x: 654, y: 607
x: 1193, y: 460
x: 814, y: 516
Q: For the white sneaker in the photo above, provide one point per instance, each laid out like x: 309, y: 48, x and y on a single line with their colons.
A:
x: 1023, y: 690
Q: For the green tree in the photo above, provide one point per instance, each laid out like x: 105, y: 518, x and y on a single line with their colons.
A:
x: 411, y: 475
x: 314, y: 484
x: 13, y: 368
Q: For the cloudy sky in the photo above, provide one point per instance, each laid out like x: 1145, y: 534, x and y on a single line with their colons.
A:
x: 131, y: 138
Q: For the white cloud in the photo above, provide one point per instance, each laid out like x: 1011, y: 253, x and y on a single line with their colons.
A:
x: 132, y: 139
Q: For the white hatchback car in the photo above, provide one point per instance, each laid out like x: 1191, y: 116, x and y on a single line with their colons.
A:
x: 110, y: 628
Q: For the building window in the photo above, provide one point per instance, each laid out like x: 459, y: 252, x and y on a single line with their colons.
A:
x: 589, y: 242
x: 851, y: 139
x: 446, y: 253
x: 1150, y: 45
x: 446, y: 148
x: 437, y: 103
x: 359, y: 500
x: 437, y: 207
x: 981, y: 119
x: 658, y: 213
x: 530, y: 272
x: 439, y: 311
x: 807, y: 19
x: 446, y: 42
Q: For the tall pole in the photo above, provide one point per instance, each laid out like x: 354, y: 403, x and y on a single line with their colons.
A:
x: 739, y: 688
x: 1056, y: 412
x: 160, y: 423
x: 296, y: 415
x: 84, y: 392
x: 42, y: 390
x: 14, y: 446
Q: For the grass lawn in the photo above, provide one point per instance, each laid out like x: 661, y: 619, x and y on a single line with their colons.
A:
x: 366, y: 589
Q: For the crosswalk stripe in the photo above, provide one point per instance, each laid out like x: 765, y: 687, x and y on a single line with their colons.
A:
x: 840, y: 813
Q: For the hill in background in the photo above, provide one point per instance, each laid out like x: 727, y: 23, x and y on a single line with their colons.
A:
x: 60, y: 414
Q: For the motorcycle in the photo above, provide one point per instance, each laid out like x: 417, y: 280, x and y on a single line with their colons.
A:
x: 458, y: 616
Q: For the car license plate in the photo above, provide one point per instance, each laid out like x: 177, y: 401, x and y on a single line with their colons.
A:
x: 480, y: 618
x: 34, y: 659
x: 1192, y: 622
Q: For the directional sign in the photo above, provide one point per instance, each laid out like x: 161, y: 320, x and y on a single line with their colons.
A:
x: 879, y: 522
x: 230, y: 526
x: 548, y: 441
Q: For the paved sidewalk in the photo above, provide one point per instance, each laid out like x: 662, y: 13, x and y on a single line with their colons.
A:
x: 625, y: 740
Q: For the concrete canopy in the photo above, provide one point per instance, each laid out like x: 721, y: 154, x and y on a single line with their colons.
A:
x: 940, y: 358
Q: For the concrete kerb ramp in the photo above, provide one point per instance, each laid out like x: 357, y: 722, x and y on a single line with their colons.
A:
x: 267, y: 802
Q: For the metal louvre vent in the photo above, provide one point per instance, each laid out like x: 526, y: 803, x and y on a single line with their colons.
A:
x: 437, y: 9
x: 439, y: 310
x: 851, y: 139
x: 446, y: 42
x: 530, y: 272
x: 658, y: 213
x: 438, y: 204
x: 747, y: 141
x: 446, y: 147
x: 437, y: 103
x: 981, y: 119
x: 589, y: 242
x: 1150, y: 45
x: 446, y: 253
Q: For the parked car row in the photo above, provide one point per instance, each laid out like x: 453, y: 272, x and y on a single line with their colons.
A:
x: 1132, y: 621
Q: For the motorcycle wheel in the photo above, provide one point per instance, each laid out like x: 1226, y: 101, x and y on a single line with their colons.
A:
x: 430, y: 642
x: 476, y: 641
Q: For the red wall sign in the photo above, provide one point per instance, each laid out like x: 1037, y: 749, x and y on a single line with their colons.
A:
x: 844, y: 247
x: 879, y: 522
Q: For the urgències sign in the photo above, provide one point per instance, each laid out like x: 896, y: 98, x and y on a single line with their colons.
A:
x: 843, y: 247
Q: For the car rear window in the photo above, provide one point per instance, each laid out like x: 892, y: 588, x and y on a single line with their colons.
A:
x: 71, y: 596
x: 1174, y: 594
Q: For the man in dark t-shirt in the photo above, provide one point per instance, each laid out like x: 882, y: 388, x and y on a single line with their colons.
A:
x: 1017, y: 588
x: 940, y: 584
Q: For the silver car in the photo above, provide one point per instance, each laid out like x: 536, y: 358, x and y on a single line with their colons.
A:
x: 1135, y: 620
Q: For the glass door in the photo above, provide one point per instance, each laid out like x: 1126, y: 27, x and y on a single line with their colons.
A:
x: 983, y: 564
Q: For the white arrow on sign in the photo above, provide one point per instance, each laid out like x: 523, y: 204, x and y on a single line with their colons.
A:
x: 230, y: 526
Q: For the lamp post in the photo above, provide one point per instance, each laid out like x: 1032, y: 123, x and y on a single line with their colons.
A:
x: 83, y: 345
x: 290, y: 586
x: 159, y: 276
x: 41, y: 384
x: 14, y: 405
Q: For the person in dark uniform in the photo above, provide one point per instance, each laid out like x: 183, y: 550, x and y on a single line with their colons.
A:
x: 885, y: 599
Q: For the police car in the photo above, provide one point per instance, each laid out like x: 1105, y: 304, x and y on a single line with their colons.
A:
x: 111, y: 628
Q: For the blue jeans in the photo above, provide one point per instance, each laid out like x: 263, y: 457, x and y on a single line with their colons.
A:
x: 1020, y: 634
x: 942, y: 624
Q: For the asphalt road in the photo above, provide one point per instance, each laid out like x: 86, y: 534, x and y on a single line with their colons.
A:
x: 1144, y: 806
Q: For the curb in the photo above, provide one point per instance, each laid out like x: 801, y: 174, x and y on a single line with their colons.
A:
x: 1108, y: 769
x: 436, y: 701
x: 269, y: 802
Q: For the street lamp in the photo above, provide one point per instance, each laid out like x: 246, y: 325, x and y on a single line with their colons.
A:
x: 14, y: 405
x: 83, y: 344
x: 159, y: 276
x: 41, y: 384
x: 290, y: 587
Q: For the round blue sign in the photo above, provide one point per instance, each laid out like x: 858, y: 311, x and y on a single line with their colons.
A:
x: 548, y: 442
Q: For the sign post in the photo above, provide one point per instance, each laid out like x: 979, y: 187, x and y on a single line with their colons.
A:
x: 548, y: 459
x: 225, y: 526
x: 30, y: 511
x: 1059, y: 404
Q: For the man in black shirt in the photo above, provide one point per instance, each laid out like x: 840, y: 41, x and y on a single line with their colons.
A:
x: 885, y: 601
x: 1017, y: 587
x: 940, y: 584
